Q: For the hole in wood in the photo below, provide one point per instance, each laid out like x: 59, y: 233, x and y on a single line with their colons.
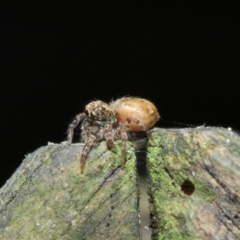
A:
x: 236, y: 216
x: 188, y: 187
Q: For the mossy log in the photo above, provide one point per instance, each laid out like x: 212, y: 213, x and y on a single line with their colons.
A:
x: 48, y: 198
x: 194, y: 187
x: 194, y: 177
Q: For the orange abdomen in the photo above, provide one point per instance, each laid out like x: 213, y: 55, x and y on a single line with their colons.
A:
x: 138, y: 108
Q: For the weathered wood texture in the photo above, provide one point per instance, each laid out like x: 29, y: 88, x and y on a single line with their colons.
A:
x: 194, y: 177
x: 48, y: 198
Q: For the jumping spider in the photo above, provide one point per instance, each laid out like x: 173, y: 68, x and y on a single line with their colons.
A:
x: 113, y: 121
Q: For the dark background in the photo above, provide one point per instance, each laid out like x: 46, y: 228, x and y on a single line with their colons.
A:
x: 183, y: 56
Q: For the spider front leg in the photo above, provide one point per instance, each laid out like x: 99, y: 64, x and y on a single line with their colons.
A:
x: 124, y: 137
x: 73, y: 125
x: 88, y: 143
x: 108, y: 135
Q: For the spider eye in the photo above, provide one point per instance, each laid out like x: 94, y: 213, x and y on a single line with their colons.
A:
x: 103, y: 108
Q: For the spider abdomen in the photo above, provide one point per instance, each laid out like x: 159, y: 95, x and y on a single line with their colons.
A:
x: 140, y: 109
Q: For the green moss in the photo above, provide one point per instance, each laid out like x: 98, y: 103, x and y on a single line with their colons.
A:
x: 128, y: 171
x: 168, y: 169
x: 174, y: 235
x: 203, y: 191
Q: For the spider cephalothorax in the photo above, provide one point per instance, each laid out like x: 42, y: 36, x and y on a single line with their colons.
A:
x: 97, y: 114
x: 100, y: 112
x: 103, y: 121
x: 96, y: 124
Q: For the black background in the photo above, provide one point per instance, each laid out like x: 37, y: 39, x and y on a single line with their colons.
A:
x: 183, y: 56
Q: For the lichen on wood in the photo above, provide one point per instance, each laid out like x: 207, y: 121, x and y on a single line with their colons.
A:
x: 48, y: 198
x: 194, y: 177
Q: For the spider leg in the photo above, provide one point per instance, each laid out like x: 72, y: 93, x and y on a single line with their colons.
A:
x: 142, y: 125
x: 73, y: 125
x: 85, y: 151
x: 124, y: 138
x: 121, y: 132
x: 108, y: 135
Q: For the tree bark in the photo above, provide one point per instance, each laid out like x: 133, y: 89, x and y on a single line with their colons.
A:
x: 194, y: 187
x: 194, y: 177
x: 48, y: 198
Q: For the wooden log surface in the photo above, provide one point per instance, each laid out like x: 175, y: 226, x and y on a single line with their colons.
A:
x: 194, y: 187
x: 194, y: 177
x: 48, y: 198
